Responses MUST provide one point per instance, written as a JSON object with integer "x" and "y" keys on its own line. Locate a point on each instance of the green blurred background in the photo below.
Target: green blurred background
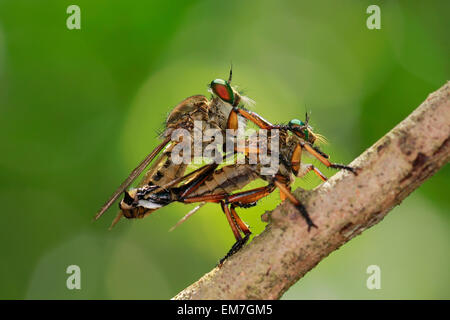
{"x": 80, "y": 108}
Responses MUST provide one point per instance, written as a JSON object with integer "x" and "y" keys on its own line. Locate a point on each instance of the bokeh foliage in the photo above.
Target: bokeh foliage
{"x": 80, "y": 108}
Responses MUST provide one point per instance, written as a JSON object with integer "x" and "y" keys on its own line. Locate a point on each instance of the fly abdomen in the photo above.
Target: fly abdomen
{"x": 163, "y": 171}
{"x": 227, "y": 179}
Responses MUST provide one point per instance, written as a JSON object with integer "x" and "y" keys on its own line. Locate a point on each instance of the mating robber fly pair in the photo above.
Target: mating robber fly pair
{"x": 166, "y": 181}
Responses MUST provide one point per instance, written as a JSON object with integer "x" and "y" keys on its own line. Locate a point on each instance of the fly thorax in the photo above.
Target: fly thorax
{"x": 287, "y": 147}
{"x": 219, "y": 112}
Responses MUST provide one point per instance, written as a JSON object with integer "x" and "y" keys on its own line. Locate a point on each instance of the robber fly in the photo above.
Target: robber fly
{"x": 209, "y": 184}
{"x": 213, "y": 114}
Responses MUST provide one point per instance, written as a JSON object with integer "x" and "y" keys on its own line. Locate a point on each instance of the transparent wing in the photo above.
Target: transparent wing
{"x": 133, "y": 175}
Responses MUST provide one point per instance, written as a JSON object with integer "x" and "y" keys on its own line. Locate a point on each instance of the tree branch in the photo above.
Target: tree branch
{"x": 342, "y": 208}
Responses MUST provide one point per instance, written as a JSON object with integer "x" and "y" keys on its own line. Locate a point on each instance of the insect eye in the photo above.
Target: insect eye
{"x": 296, "y": 122}
{"x": 299, "y": 128}
{"x": 306, "y": 133}
{"x": 223, "y": 90}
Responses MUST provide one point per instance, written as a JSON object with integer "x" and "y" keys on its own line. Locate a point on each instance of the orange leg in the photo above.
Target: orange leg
{"x": 231, "y": 222}
{"x": 249, "y": 115}
{"x": 285, "y": 190}
{"x": 250, "y": 196}
{"x": 236, "y": 224}
{"x": 242, "y": 199}
{"x": 206, "y": 198}
{"x": 241, "y": 224}
{"x": 325, "y": 161}
{"x": 316, "y": 171}
{"x": 283, "y": 196}
{"x": 239, "y": 199}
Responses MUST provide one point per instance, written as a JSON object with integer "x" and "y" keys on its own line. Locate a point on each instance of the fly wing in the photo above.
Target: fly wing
{"x": 133, "y": 175}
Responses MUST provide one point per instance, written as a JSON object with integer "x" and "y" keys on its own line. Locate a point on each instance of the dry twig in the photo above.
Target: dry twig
{"x": 343, "y": 207}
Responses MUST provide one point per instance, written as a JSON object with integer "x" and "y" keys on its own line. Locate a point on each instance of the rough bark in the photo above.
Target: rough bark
{"x": 343, "y": 207}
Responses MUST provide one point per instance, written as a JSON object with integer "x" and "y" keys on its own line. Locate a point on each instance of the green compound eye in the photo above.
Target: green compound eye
{"x": 306, "y": 133}
{"x": 223, "y": 90}
{"x": 296, "y": 122}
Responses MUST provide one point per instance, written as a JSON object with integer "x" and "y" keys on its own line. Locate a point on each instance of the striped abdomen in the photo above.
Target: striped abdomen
{"x": 227, "y": 180}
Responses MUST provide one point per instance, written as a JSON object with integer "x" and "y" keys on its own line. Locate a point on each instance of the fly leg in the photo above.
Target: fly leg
{"x": 244, "y": 199}
{"x": 231, "y": 221}
{"x": 311, "y": 167}
{"x": 235, "y": 248}
{"x": 241, "y": 226}
{"x": 288, "y": 194}
{"x": 324, "y": 159}
{"x": 240, "y": 199}
{"x": 240, "y": 241}
{"x": 302, "y": 169}
{"x": 232, "y": 122}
